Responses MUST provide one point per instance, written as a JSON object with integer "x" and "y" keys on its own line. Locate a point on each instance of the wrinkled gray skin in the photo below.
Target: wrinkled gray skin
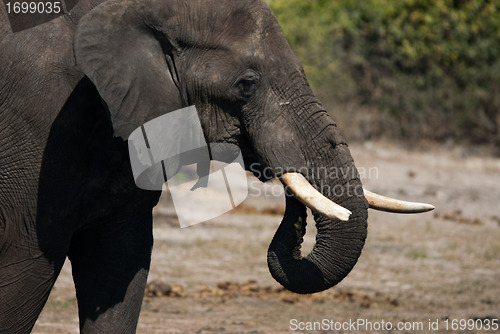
{"x": 73, "y": 89}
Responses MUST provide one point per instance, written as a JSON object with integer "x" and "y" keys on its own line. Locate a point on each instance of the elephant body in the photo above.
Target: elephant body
{"x": 65, "y": 190}
{"x": 71, "y": 91}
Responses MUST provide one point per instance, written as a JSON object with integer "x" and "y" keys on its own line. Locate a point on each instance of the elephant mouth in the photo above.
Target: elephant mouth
{"x": 301, "y": 189}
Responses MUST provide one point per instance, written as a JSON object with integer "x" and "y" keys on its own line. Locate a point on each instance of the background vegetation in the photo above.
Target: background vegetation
{"x": 410, "y": 70}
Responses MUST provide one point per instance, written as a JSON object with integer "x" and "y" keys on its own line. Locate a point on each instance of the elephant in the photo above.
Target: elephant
{"x": 73, "y": 89}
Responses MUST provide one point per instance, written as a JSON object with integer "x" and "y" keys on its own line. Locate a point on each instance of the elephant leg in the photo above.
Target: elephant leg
{"x": 110, "y": 264}
{"x": 26, "y": 279}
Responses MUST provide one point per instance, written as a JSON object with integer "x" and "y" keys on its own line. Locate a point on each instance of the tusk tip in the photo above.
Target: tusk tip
{"x": 343, "y": 214}
{"x": 427, "y": 207}
{"x": 335, "y": 212}
{"x": 347, "y": 216}
{"x": 418, "y": 208}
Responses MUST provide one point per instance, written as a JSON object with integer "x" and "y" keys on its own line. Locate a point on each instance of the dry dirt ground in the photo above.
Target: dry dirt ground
{"x": 439, "y": 268}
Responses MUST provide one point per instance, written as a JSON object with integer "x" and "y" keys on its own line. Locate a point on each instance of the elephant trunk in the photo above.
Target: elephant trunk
{"x": 338, "y": 243}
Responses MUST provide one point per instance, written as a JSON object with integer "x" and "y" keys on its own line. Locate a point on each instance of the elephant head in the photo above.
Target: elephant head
{"x": 231, "y": 60}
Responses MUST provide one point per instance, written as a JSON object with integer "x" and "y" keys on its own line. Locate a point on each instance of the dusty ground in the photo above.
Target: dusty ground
{"x": 213, "y": 277}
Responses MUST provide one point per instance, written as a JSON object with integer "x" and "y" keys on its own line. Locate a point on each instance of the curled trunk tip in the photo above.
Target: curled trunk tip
{"x": 337, "y": 249}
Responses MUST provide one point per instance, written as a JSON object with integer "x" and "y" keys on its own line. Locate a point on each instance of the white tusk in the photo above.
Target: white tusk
{"x": 383, "y": 203}
{"x": 313, "y": 199}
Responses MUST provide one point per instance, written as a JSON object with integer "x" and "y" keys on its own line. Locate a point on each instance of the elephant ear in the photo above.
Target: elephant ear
{"x": 119, "y": 47}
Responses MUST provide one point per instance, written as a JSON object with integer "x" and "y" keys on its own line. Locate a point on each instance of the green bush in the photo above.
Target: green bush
{"x": 407, "y": 69}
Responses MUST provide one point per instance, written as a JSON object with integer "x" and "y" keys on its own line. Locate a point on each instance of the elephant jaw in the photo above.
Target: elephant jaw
{"x": 317, "y": 202}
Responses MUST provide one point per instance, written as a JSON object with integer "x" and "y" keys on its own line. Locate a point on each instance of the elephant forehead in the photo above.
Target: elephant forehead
{"x": 223, "y": 22}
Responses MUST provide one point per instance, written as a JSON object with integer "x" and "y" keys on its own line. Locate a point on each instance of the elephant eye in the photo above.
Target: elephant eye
{"x": 247, "y": 87}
